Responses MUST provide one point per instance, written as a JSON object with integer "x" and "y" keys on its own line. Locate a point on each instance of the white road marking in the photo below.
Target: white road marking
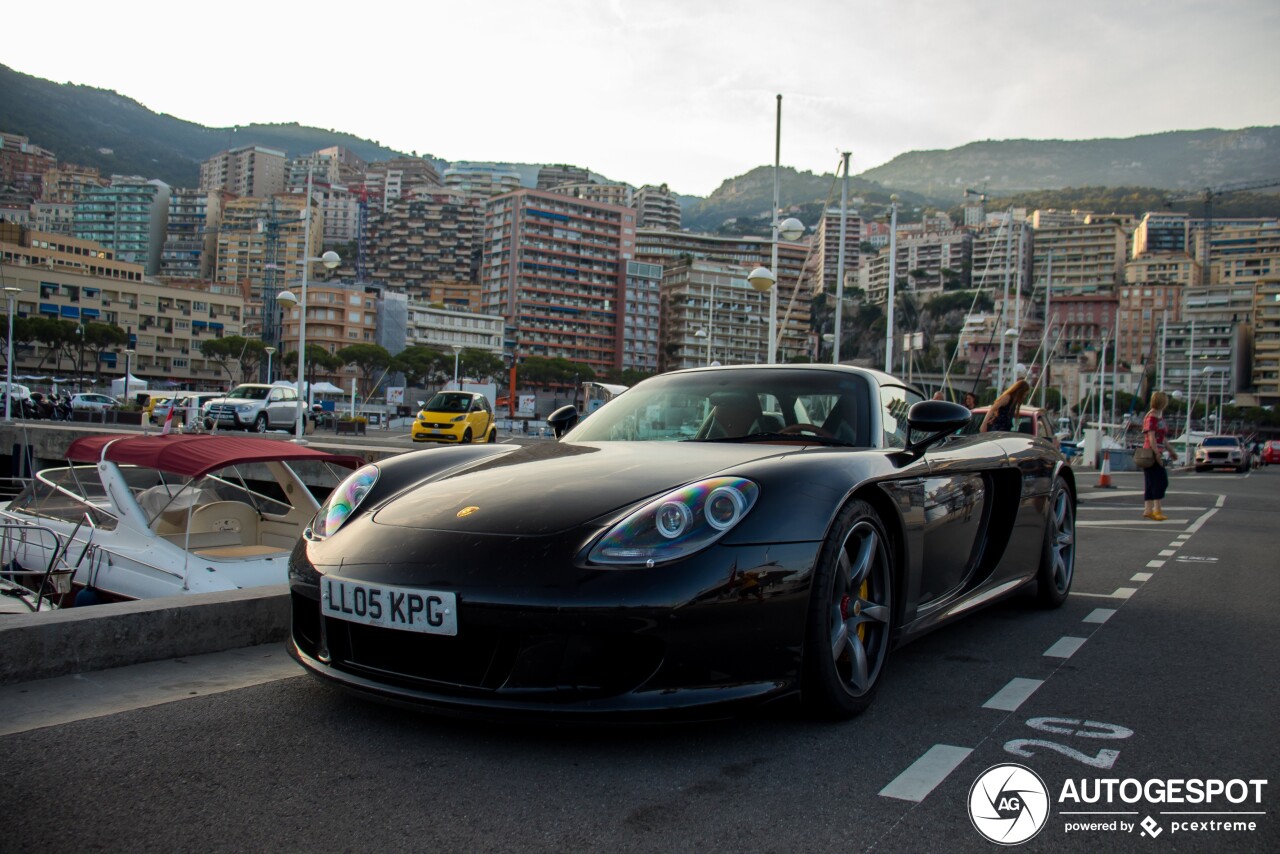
{"x": 1121, "y": 593}
{"x": 1099, "y": 615}
{"x": 1139, "y": 523}
{"x": 1142, "y": 576}
{"x": 1013, "y": 695}
{"x": 1065, "y": 647}
{"x": 1155, "y": 564}
{"x": 1169, "y": 552}
{"x": 1200, "y": 522}
{"x": 1093, "y": 496}
{"x": 924, "y": 775}
{"x": 50, "y": 702}
{"x": 1183, "y": 537}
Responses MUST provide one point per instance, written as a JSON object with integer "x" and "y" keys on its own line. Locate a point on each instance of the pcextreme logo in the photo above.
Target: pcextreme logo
{"x": 1008, "y": 804}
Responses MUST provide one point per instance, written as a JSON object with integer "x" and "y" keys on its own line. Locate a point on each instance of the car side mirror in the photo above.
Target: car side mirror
{"x": 562, "y": 420}
{"x": 937, "y": 419}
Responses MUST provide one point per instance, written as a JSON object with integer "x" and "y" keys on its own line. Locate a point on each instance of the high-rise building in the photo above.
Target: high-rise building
{"x": 130, "y": 216}
{"x": 338, "y": 315}
{"x": 826, "y": 256}
{"x": 1161, "y": 232}
{"x": 608, "y": 193}
{"x": 427, "y": 239}
{"x": 711, "y": 314}
{"x": 63, "y": 184}
{"x": 554, "y": 176}
{"x": 482, "y": 180}
{"x": 23, "y": 165}
{"x": 657, "y": 207}
{"x": 1266, "y": 342}
{"x": 385, "y": 181}
{"x": 641, "y": 318}
{"x": 1088, "y": 255}
{"x": 250, "y": 170}
{"x": 554, "y": 267}
{"x": 1151, "y": 298}
{"x": 194, "y": 219}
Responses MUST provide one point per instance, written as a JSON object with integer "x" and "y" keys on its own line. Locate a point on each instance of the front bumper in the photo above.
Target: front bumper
{"x": 422, "y": 433}
{"x": 693, "y": 640}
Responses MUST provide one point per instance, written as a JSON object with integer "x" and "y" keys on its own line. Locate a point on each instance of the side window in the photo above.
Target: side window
{"x": 895, "y": 401}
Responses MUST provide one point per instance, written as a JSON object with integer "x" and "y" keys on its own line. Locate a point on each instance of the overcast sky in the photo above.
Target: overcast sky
{"x": 673, "y": 91}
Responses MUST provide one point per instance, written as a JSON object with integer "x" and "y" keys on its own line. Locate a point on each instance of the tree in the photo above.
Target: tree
{"x": 100, "y": 337}
{"x": 541, "y": 371}
{"x": 318, "y": 357}
{"x": 222, "y": 352}
{"x": 371, "y": 359}
{"x": 420, "y": 365}
{"x": 481, "y": 364}
{"x": 23, "y": 333}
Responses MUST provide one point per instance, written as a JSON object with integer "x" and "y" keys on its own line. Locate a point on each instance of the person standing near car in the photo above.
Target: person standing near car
{"x": 1001, "y": 414}
{"x": 1155, "y": 478}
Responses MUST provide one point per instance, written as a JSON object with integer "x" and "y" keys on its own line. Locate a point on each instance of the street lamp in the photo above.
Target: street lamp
{"x": 270, "y": 352}
{"x": 10, "y": 294}
{"x": 705, "y": 333}
{"x": 330, "y": 260}
{"x": 128, "y": 360}
{"x": 457, "y": 351}
{"x": 764, "y": 278}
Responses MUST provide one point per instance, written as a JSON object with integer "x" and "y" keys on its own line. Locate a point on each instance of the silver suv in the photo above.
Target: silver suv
{"x": 254, "y": 406}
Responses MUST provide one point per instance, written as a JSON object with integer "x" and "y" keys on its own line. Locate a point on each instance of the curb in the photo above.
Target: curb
{"x": 98, "y": 637}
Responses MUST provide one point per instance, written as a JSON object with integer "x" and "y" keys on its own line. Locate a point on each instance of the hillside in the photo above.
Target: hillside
{"x": 1178, "y": 160}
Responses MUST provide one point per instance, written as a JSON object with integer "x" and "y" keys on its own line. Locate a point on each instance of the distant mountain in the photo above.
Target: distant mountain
{"x": 117, "y": 135}
{"x": 1179, "y": 160}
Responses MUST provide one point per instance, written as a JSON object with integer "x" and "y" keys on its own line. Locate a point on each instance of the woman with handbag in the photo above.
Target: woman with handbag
{"x": 1155, "y": 477}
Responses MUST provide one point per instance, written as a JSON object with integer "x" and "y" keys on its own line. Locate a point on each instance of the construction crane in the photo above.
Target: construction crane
{"x": 1207, "y": 195}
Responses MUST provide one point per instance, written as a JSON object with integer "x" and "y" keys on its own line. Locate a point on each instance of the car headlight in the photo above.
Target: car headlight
{"x": 244, "y": 407}
{"x": 455, "y": 419}
{"x": 678, "y": 524}
{"x": 342, "y": 502}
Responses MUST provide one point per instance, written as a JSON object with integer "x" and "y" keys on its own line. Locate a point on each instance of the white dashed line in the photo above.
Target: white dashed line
{"x": 1183, "y": 537}
{"x": 1013, "y": 695}
{"x": 1099, "y": 615}
{"x": 1141, "y": 576}
{"x": 1155, "y": 564}
{"x": 1168, "y": 553}
{"x": 924, "y": 775}
{"x": 1065, "y": 647}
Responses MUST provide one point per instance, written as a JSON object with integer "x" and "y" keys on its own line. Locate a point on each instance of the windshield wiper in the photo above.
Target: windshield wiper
{"x": 774, "y": 437}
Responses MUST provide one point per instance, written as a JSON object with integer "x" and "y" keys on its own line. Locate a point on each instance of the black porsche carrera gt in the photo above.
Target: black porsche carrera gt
{"x": 710, "y": 538}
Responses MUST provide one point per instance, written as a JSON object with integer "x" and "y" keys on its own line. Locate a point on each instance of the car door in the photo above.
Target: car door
{"x": 284, "y": 410}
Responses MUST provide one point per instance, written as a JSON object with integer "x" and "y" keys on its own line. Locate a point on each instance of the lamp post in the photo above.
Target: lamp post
{"x": 10, "y": 294}
{"x": 705, "y": 333}
{"x": 457, "y": 351}
{"x": 893, "y": 283}
{"x": 330, "y": 261}
{"x": 765, "y": 278}
{"x": 270, "y": 352}
{"x": 128, "y": 362}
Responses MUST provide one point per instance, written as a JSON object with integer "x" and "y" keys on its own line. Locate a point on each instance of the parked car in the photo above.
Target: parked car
{"x": 1270, "y": 452}
{"x": 93, "y": 402}
{"x": 254, "y": 406}
{"x": 183, "y": 400}
{"x": 1222, "y": 452}
{"x": 19, "y": 391}
{"x": 457, "y": 417}
{"x": 711, "y": 539}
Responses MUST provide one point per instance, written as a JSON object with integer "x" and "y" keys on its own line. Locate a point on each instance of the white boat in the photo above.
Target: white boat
{"x": 148, "y": 516}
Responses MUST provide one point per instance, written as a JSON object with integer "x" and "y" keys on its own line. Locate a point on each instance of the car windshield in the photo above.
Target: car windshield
{"x": 740, "y": 404}
{"x": 246, "y": 392}
{"x": 448, "y": 401}
{"x": 1221, "y": 442}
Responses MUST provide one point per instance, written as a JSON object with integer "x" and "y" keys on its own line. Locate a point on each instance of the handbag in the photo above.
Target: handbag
{"x": 1145, "y": 458}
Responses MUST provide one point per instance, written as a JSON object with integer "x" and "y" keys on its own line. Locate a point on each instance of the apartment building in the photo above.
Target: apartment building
{"x": 79, "y": 281}
{"x": 481, "y": 180}
{"x": 561, "y": 173}
{"x": 1161, "y": 232}
{"x": 611, "y": 193}
{"x": 341, "y": 210}
{"x": 657, "y": 207}
{"x": 63, "y": 184}
{"x": 554, "y": 268}
{"x": 1266, "y": 342}
{"x": 260, "y": 248}
{"x": 826, "y": 255}
{"x": 1151, "y": 297}
{"x": 23, "y": 165}
{"x": 928, "y": 263}
{"x": 641, "y": 317}
{"x": 795, "y": 288}
{"x": 1245, "y": 254}
{"x": 428, "y": 239}
{"x": 386, "y": 181}
{"x": 443, "y": 329}
{"x": 1001, "y": 257}
{"x": 1205, "y": 360}
{"x": 711, "y": 314}
{"x": 53, "y": 217}
{"x": 335, "y": 165}
{"x": 338, "y": 315}
{"x": 193, "y": 222}
{"x": 250, "y": 170}
{"x": 130, "y": 216}
{"x": 1088, "y": 255}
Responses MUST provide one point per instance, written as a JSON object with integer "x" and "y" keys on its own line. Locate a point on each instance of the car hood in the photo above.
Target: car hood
{"x": 433, "y": 415}
{"x": 552, "y": 487}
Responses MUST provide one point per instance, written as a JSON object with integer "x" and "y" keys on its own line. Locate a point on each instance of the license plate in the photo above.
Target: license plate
{"x": 409, "y": 609}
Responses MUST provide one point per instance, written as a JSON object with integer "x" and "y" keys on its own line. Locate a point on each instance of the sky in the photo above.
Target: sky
{"x": 681, "y": 92}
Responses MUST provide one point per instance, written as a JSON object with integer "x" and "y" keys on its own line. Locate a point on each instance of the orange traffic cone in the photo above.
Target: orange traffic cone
{"x": 1104, "y": 475}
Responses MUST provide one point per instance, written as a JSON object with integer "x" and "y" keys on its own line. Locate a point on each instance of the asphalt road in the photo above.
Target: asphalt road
{"x": 1162, "y": 665}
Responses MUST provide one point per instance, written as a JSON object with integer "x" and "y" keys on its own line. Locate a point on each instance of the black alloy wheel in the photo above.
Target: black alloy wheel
{"x": 850, "y": 615}
{"x": 466, "y": 436}
{"x": 1058, "y": 557}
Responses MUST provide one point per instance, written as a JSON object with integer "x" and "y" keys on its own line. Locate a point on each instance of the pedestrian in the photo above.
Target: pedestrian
{"x": 1155, "y": 478}
{"x": 970, "y": 401}
{"x": 938, "y": 395}
{"x": 1001, "y": 414}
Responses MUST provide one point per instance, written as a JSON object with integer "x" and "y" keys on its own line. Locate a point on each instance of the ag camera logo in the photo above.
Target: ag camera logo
{"x": 1008, "y": 804}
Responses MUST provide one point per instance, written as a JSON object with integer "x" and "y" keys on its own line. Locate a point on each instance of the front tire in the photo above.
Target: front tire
{"x": 493, "y": 435}
{"x": 260, "y": 423}
{"x": 850, "y": 618}
{"x": 466, "y": 436}
{"x": 1058, "y": 555}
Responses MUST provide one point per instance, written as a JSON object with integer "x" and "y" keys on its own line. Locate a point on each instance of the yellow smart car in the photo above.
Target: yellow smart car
{"x": 458, "y": 417}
